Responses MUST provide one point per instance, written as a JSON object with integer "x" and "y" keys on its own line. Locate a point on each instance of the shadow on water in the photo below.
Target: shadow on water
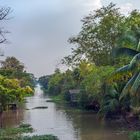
{"x": 63, "y": 121}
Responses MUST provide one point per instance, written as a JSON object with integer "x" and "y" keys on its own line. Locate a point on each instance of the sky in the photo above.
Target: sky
{"x": 39, "y": 29}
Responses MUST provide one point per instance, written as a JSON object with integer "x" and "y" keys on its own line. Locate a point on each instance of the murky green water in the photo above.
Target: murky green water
{"x": 64, "y": 122}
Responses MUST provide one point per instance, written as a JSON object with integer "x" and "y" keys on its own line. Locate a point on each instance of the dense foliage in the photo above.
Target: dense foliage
{"x": 11, "y": 91}
{"x": 101, "y": 32}
{"x": 135, "y": 135}
{"x": 93, "y": 64}
{"x": 15, "y": 82}
{"x": 44, "y": 81}
{"x": 13, "y": 68}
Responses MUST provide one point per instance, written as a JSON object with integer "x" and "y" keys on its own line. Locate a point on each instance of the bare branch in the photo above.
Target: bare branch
{"x": 4, "y": 12}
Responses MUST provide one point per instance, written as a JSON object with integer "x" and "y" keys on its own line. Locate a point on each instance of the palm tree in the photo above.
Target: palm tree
{"x": 132, "y": 86}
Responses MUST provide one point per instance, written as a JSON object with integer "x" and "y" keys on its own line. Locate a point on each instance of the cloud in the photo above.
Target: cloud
{"x": 94, "y": 4}
{"x": 126, "y": 8}
{"x": 41, "y": 30}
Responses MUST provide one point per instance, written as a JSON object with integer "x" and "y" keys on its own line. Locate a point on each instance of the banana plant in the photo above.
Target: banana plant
{"x": 133, "y": 85}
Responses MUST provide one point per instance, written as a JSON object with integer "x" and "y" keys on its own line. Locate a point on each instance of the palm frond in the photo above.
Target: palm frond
{"x": 136, "y": 85}
{"x": 127, "y": 88}
{"x": 138, "y": 47}
{"x": 124, "y": 51}
{"x": 123, "y": 69}
{"x": 135, "y": 62}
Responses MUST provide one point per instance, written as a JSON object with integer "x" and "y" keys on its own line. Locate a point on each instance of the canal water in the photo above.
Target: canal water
{"x": 64, "y": 122}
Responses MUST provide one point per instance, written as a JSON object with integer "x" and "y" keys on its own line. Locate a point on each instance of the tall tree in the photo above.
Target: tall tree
{"x": 11, "y": 63}
{"x": 99, "y": 34}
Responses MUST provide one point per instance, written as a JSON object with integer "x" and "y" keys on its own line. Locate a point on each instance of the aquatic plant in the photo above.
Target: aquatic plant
{"x": 16, "y": 134}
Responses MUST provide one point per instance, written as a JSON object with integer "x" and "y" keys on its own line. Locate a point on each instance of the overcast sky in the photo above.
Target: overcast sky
{"x": 40, "y": 29}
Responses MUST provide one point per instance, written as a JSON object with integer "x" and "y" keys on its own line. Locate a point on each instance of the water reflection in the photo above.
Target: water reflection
{"x": 11, "y": 118}
{"x": 65, "y": 122}
{"x": 90, "y": 128}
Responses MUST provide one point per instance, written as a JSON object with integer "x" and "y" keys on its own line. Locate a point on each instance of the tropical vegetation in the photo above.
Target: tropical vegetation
{"x": 103, "y": 72}
{"x": 103, "y": 65}
{"x": 15, "y": 83}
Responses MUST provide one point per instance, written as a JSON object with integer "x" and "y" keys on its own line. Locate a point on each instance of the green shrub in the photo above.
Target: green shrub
{"x": 135, "y": 135}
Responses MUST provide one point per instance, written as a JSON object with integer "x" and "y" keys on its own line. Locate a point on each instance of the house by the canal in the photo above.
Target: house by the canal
{"x": 74, "y": 95}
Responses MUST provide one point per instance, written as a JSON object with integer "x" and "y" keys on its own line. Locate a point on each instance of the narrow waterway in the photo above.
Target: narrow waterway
{"x": 64, "y": 122}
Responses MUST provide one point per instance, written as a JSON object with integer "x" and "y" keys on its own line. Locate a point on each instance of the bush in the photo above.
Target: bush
{"x": 135, "y": 135}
